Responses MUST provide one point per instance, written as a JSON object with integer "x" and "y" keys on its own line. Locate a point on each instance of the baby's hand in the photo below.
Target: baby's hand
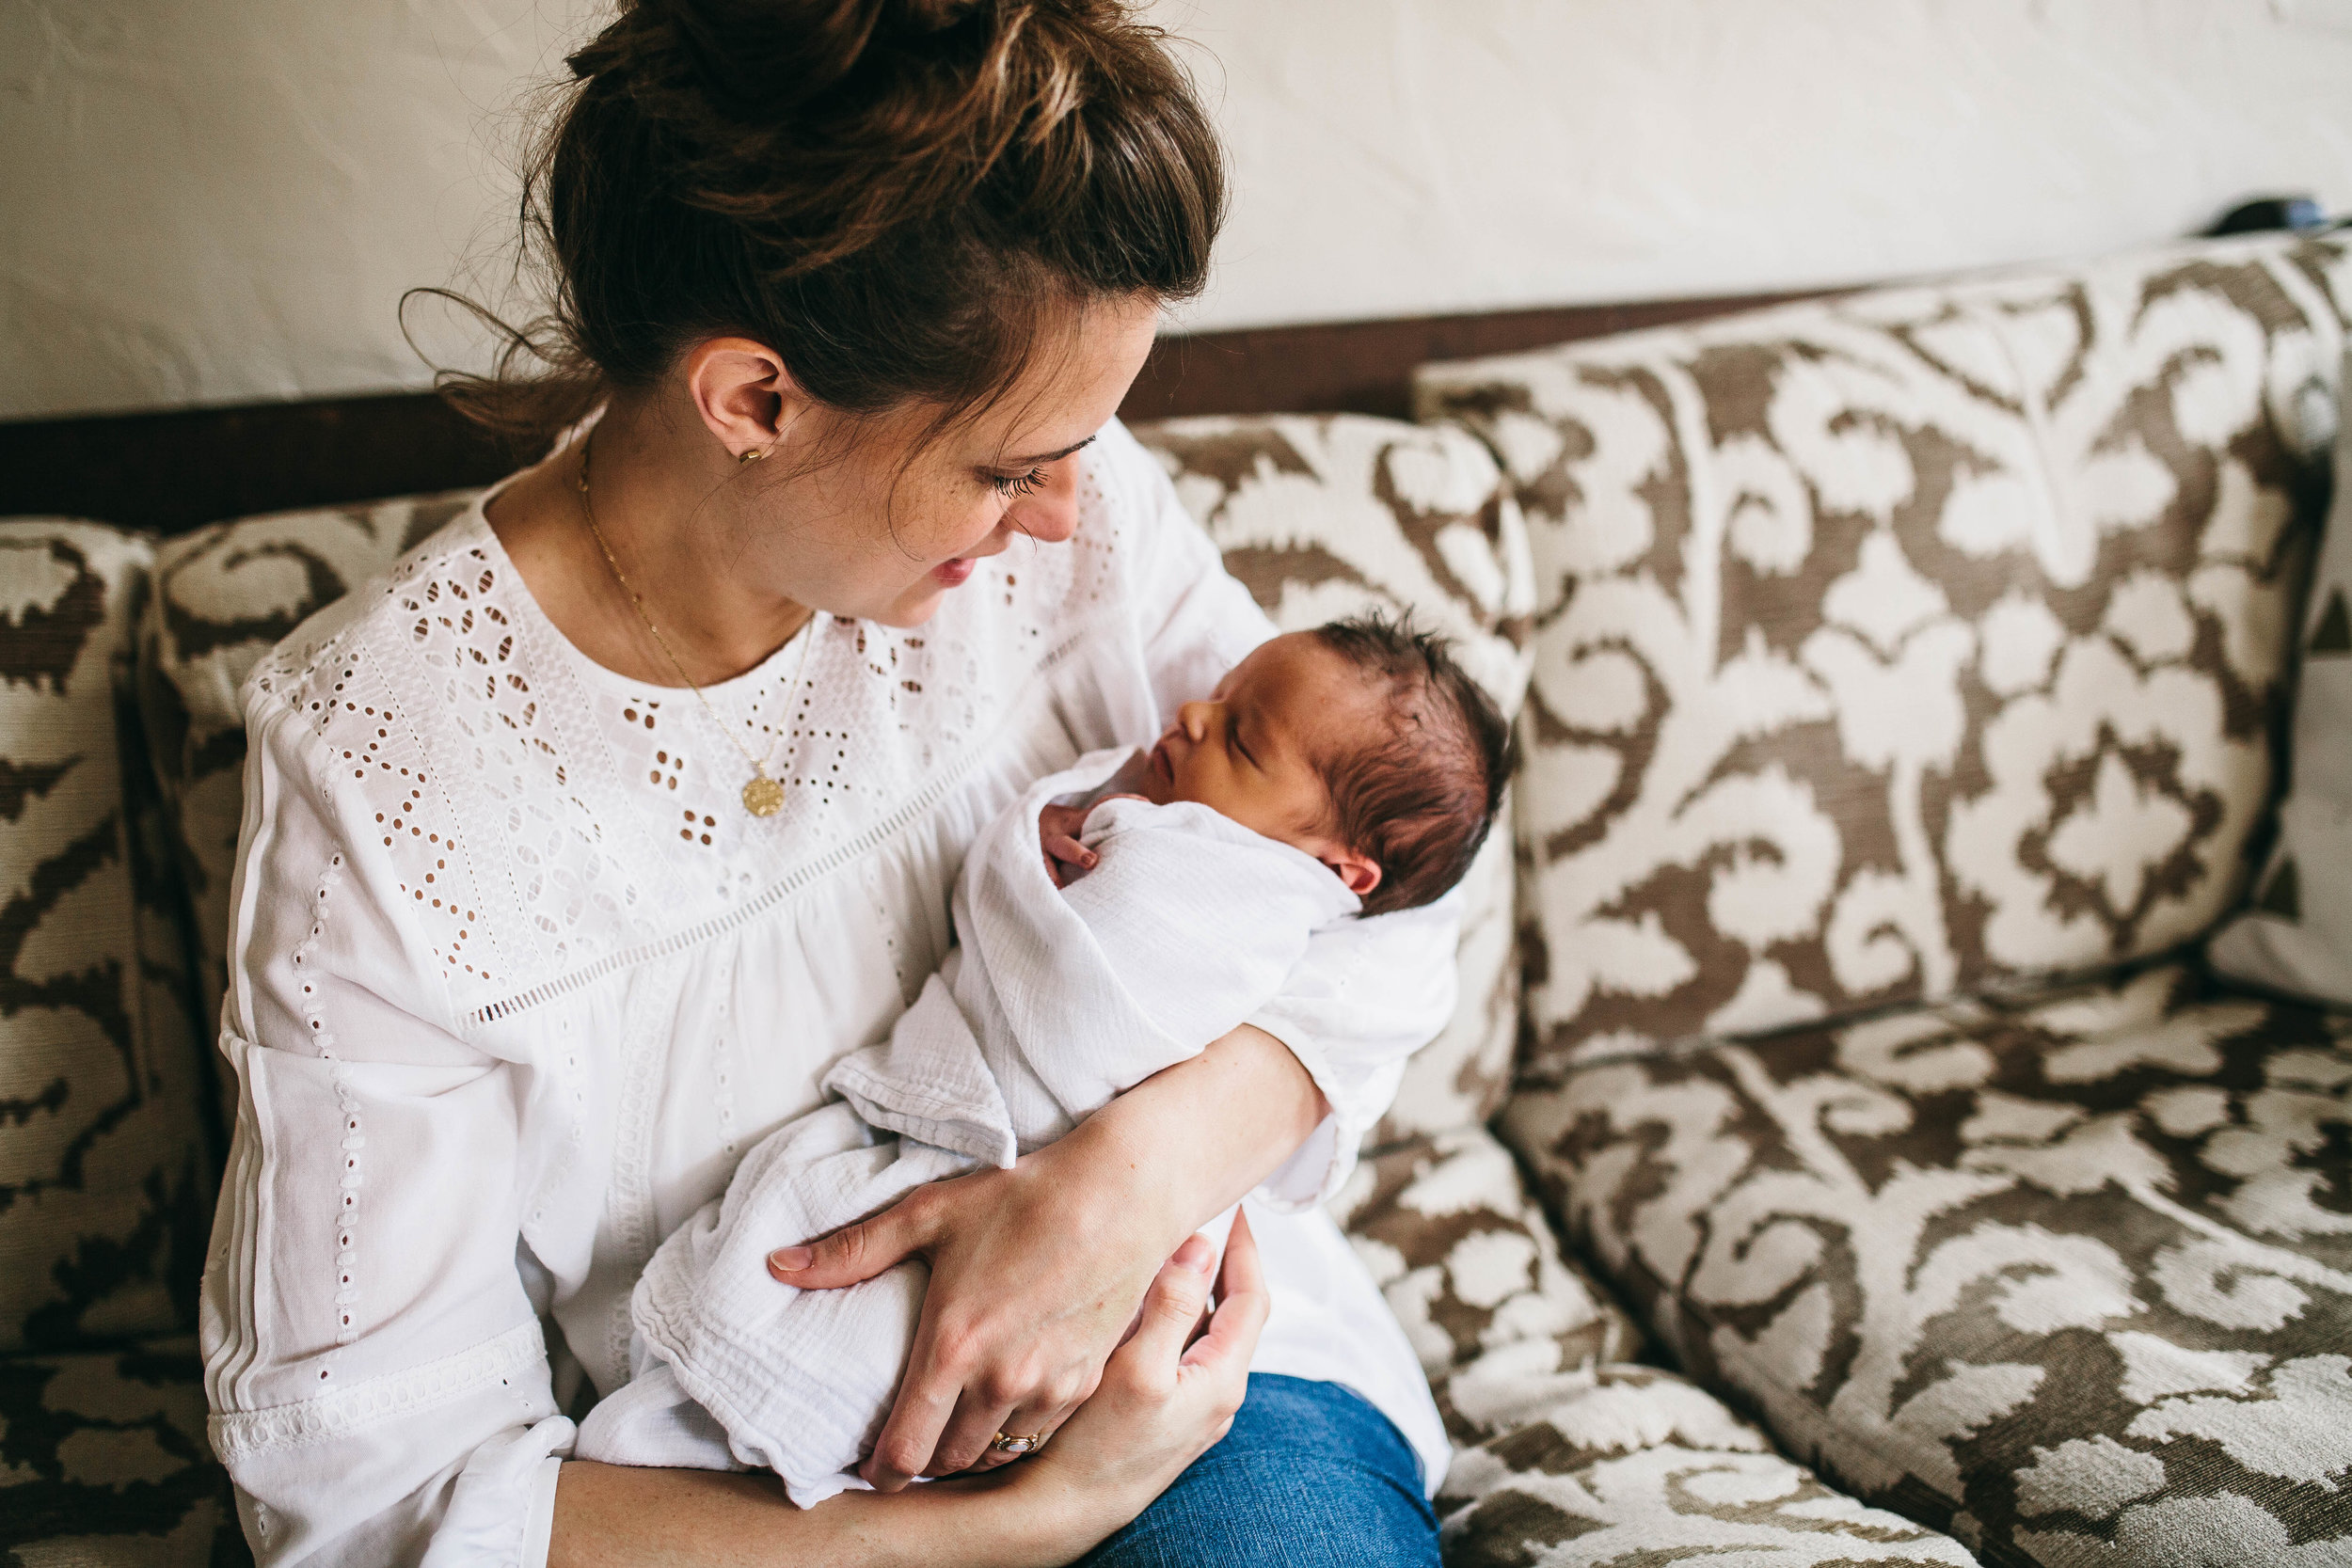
{"x": 1058, "y": 831}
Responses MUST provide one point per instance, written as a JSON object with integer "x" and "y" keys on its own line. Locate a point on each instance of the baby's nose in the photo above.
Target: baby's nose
{"x": 1195, "y": 717}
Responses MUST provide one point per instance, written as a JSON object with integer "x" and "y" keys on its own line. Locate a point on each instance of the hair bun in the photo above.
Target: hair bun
{"x": 882, "y": 108}
{"x": 761, "y": 56}
{"x": 756, "y": 60}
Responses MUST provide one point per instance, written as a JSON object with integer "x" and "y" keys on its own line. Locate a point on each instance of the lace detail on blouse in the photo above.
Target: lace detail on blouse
{"x": 346, "y": 1292}
{"x": 537, "y": 811}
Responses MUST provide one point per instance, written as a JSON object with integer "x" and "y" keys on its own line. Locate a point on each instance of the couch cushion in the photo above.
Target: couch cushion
{"x": 1326, "y": 515}
{"x": 1320, "y": 517}
{"x": 1473, "y": 1269}
{"x": 1632, "y": 1465}
{"x": 2297, "y": 936}
{"x": 2070, "y": 1276}
{"x": 1897, "y": 645}
{"x": 1569, "y": 1455}
{"x": 103, "y": 1459}
{"x": 105, "y": 1192}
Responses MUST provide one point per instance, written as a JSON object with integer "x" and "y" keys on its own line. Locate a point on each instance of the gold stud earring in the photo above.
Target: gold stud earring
{"x": 751, "y": 455}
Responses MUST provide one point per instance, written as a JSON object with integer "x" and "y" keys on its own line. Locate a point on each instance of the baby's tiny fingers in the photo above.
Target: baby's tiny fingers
{"x": 1061, "y": 847}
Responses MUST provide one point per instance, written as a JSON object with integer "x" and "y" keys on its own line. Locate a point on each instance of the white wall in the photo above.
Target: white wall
{"x": 221, "y": 200}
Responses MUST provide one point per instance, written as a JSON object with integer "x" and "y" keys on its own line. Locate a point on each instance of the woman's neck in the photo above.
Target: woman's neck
{"x": 668, "y": 536}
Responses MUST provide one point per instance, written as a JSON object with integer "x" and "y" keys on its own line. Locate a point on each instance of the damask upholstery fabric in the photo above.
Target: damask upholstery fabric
{"x": 1501, "y": 1319}
{"x": 102, "y": 1461}
{"x": 2297, "y": 936}
{"x": 105, "y": 1169}
{"x": 1567, "y": 1452}
{"x": 1633, "y": 1466}
{"x": 1318, "y": 517}
{"x": 1894, "y": 645}
{"x": 2069, "y": 1276}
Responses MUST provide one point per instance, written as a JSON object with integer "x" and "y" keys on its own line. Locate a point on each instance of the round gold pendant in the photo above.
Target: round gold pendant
{"x": 763, "y": 796}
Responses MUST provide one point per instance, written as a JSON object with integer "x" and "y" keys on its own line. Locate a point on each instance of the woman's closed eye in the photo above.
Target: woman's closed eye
{"x": 1013, "y": 486}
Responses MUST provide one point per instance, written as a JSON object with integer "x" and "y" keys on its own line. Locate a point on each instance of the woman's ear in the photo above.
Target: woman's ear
{"x": 1360, "y": 873}
{"x": 745, "y": 395}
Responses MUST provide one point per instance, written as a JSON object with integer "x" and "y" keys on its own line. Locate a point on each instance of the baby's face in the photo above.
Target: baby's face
{"x": 1249, "y": 751}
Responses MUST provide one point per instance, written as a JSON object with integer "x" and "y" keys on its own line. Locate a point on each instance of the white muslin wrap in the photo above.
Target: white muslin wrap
{"x": 1054, "y": 1001}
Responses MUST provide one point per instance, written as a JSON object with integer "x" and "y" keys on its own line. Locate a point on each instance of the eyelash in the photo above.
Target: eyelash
{"x": 1019, "y": 485}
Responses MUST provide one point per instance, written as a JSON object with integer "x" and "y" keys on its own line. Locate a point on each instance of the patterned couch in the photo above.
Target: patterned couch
{"x": 1842, "y": 1154}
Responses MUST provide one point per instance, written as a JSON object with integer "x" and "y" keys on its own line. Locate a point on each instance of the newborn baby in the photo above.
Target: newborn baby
{"x": 1116, "y": 920}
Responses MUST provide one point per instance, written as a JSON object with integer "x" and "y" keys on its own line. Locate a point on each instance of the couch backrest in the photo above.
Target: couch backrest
{"x": 1320, "y": 516}
{"x": 1894, "y": 645}
{"x": 105, "y": 1176}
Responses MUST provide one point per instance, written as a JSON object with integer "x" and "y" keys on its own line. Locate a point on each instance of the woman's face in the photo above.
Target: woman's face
{"x": 895, "y": 522}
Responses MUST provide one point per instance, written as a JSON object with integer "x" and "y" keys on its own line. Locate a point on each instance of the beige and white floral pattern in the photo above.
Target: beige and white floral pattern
{"x": 2068, "y": 1276}
{"x": 105, "y": 1172}
{"x": 1634, "y": 1467}
{"x": 1890, "y": 646}
{"x": 1500, "y": 1320}
{"x": 1570, "y": 1454}
{"x": 104, "y": 1462}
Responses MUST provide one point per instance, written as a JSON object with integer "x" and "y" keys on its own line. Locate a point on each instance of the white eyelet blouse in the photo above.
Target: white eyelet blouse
{"x": 516, "y": 980}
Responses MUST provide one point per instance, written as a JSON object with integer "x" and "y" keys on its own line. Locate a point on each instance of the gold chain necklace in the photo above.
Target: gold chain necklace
{"x": 762, "y": 795}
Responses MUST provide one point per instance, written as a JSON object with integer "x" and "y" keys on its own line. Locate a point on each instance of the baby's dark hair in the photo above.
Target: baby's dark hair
{"x": 1419, "y": 802}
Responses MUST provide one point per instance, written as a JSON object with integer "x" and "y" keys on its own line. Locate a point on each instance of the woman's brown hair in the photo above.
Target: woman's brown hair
{"x": 899, "y": 196}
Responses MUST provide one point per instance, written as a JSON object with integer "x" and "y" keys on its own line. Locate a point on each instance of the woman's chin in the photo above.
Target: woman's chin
{"x": 915, "y": 607}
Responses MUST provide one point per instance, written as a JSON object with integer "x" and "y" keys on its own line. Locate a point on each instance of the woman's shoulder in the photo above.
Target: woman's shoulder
{"x": 455, "y": 753}
{"x": 335, "y": 661}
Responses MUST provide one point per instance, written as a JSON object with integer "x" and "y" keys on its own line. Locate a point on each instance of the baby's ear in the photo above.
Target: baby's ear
{"x": 1361, "y": 873}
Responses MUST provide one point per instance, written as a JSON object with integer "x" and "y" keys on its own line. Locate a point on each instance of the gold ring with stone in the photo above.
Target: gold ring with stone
{"x": 1006, "y": 1443}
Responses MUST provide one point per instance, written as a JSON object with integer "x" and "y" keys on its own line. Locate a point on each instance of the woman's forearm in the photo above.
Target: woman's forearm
{"x": 616, "y": 1516}
{"x": 1197, "y": 1138}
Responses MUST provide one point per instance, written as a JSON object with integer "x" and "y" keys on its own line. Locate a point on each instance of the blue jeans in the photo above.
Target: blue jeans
{"x": 1310, "y": 1476}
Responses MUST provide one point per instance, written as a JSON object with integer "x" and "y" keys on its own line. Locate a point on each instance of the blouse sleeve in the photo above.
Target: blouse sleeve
{"x": 1370, "y": 992}
{"x": 380, "y": 1388}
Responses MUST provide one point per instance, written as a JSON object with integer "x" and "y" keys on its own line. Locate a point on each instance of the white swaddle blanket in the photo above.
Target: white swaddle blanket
{"x": 1053, "y": 1002}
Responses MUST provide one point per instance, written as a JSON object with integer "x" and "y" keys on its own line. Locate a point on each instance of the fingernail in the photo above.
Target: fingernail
{"x": 791, "y": 1260}
{"x": 1089, "y": 858}
{"x": 1194, "y": 1255}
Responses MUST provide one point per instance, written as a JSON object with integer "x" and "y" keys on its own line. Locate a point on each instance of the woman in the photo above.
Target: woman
{"x": 577, "y": 849}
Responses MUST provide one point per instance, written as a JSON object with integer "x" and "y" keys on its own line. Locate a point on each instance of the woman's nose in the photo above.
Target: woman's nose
{"x": 1049, "y": 514}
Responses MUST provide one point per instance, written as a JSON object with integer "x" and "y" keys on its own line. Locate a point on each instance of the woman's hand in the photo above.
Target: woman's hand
{"x": 1167, "y": 1395}
{"x": 1037, "y": 1271}
{"x": 1035, "y": 1275}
